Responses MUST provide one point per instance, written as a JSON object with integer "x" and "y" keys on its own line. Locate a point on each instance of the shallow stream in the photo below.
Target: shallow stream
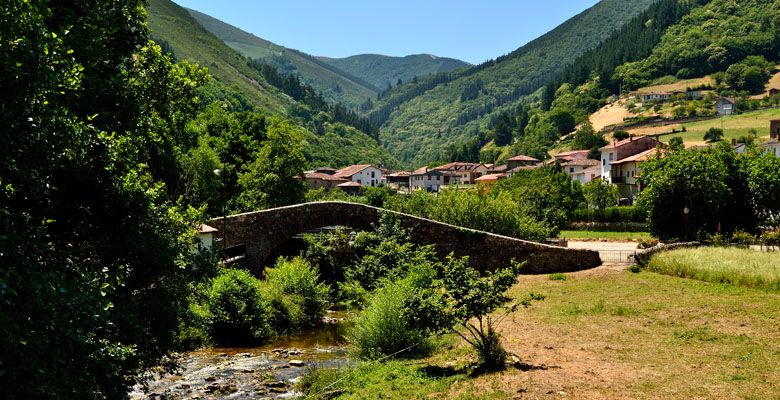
{"x": 268, "y": 371}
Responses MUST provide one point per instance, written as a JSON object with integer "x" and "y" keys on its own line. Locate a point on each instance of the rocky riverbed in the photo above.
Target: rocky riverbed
{"x": 264, "y": 372}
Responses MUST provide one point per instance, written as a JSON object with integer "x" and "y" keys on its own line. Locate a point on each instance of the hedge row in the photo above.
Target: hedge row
{"x": 610, "y": 214}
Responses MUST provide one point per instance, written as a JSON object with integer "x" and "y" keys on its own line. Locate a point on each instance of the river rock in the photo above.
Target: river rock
{"x": 297, "y": 363}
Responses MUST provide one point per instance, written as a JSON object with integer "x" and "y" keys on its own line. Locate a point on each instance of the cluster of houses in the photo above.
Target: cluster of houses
{"x": 724, "y": 105}
{"x": 620, "y": 164}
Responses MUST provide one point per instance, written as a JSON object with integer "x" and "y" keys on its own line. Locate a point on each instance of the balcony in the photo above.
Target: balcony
{"x": 617, "y": 179}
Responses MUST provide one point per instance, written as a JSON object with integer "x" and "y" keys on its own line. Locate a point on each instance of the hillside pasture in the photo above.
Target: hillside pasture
{"x": 734, "y": 126}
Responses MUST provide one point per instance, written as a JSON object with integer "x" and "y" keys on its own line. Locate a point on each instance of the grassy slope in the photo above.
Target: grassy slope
{"x": 734, "y": 126}
{"x": 379, "y": 70}
{"x": 419, "y": 128}
{"x": 606, "y": 334}
{"x": 338, "y": 146}
{"x": 332, "y": 83}
{"x": 742, "y": 267}
{"x": 191, "y": 42}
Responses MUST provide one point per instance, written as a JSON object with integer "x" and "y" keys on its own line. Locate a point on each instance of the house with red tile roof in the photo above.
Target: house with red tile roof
{"x": 620, "y": 162}
{"x": 461, "y": 173}
{"x": 364, "y": 174}
{"x": 428, "y": 179}
{"x": 521, "y": 161}
{"x": 317, "y": 180}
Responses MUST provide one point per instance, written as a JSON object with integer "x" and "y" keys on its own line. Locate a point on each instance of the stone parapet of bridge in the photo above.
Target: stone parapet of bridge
{"x": 258, "y": 234}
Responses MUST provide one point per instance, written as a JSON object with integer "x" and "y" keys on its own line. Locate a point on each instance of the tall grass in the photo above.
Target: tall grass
{"x": 741, "y": 267}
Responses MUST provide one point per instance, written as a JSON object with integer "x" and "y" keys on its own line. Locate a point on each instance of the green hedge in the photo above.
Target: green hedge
{"x": 610, "y": 214}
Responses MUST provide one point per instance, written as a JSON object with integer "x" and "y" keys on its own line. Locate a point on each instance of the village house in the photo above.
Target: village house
{"x": 626, "y": 172}
{"x": 656, "y": 96}
{"x": 485, "y": 181}
{"x": 773, "y": 145}
{"x": 575, "y": 168}
{"x": 205, "y": 237}
{"x": 364, "y": 174}
{"x": 521, "y": 161}
{"x": 461, "y": 173}
{"x": 726, "y": 105}
{"x": 350, "y": 187}
{"x": 316, "y": 180}
{"x": 617, "y": 151}
{"x": 398, "y": 180}
{"x": 571, "y": 155}
{"x": 424, "y": 178}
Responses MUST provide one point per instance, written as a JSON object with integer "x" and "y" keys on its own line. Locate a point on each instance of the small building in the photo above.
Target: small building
{"x": 461, "y": 173}
{"x": 427, "y": 179}
{"x": 571, "y": 155}
{"x": 317, "y": 180}
{"x": 655, "y": 96}
{"x": 349, "y": 187}
{"x": 726, "y": 105}
{"x": 575, "y": 167}
{"x": 774, "y": 129}
{"x": 626, "y": 172}
{"x": 364, "y": 174}
{"x": 205, "y": 237}
{"x": 587, "y": 175}
{"x": 617, "y": 151}
{"x": 498, "y": 169}
{"x": 772, "y": 146}
{"x": 510, "y": 173}
{"x": 521, "y": 161}
{"x": 398, "y": 180}
{"x": 485, "y": 181}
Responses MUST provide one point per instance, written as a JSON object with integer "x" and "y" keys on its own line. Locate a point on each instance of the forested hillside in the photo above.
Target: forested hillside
{"x": 332, "y": 83}
{"x": 382, "y": 71}
{"x": 419, "y": 119}
{"x": 334, "y": 135}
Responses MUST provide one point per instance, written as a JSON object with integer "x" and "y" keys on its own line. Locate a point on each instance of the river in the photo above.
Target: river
{"x": 268, "y": 371}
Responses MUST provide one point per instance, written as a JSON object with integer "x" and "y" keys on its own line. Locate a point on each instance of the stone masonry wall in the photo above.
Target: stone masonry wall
{"x": 263, "y": 231}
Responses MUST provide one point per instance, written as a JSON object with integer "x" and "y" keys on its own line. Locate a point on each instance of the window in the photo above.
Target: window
{"x": 604, "y": 162}
{"x": 359, "y": 181}
{"x": 611, "y": 156}
{"x": 571, "y": 169}
{"x": 372, "y": 174}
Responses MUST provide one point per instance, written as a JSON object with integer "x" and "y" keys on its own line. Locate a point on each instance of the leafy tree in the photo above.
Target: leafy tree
{"x": 95, "y": 258}
{"x": 600, "y": 194}
{"x": 270, "y": 181}
{"x": 562, "y": 120}
{"x": 621, "y": 135}
{"x": 750, "y": 74}
{"x": 237, "y": 313}
{"x": 676, "y": 143}
{"x": 297, "y": 299}
{"x": 587, "y": 138}
{"x": 713, "y": 135}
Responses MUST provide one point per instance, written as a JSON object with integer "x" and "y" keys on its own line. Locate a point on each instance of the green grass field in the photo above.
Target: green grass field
{"x": 610, "y": 236}
{"x": 734, "y": 126}
{"x": 742, "y": 267}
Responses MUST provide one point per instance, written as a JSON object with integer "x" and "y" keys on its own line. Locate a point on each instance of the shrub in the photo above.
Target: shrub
{"x": 381, "y": 329}
{"x": 718, "y": 240}
{"x": 647, "y": 243}
{"x": 237, "y": 313}
{"x": 611, "y": 214}
{"x": 557, "y": 277}
{"x": 295, "y": 294}
{"x": 742, "y": 239}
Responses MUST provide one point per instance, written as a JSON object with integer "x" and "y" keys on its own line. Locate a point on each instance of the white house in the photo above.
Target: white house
{"x": 364, "y": 174}
{"x": 426, "y": 179}
{"x": 205, "y": 237}
{"x": 726, "y": 105}
{"x": 617, "y": 151}
{"x": 586, "y": 175}
{"x": 575, "y": 166}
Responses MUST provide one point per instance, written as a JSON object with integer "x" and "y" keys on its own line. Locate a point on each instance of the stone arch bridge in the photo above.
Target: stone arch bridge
{"x": 252, "y": 237}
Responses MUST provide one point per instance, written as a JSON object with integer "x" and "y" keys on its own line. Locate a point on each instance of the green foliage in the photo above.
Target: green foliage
{"x": 94, "y": 257}
{"x": 237, "y": 313}
{"x": 750, "y": 74}
{"x": 719, "y": 187}
{"x": 709, "y": 39}
{"x": 382, "y": 330}
{"x": 377, "y": 196}
{"x": 296, "y": 297}
{"x": 557, "y": 277}
{"x": 270, "y": 180}
{"x": 610, "y": 214}
{"x": 587, "y": 138}
{"x": 600, "y": 194}
{"x": 713, "y": 135}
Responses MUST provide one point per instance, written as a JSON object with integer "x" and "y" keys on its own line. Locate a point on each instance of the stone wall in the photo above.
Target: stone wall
{"x": 643, "y": 257}
{"x": 263, "y": 231}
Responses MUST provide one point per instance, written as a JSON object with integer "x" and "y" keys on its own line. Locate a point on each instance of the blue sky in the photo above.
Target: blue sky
{"x": 472, "y": 31}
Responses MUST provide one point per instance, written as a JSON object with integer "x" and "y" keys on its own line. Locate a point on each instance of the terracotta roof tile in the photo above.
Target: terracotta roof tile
{"x": 351, "y": 170}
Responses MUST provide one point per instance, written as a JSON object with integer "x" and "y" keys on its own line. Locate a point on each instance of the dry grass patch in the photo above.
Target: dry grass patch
{"x": 608, "y": 334}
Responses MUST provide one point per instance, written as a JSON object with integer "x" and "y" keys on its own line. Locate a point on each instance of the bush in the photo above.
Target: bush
{"x": 381, "y": 329}
{"x": 296, "y": 297}
{"x": 557, "y": 277}
{"x": 742, "y": 239}
{"x": 236, "y": 311}
{"x": 611, "y": 214}
{"x": 647, "y": 243}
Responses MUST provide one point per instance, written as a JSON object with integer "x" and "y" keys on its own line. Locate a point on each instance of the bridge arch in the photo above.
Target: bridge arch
{"x": 260, "y": 232}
